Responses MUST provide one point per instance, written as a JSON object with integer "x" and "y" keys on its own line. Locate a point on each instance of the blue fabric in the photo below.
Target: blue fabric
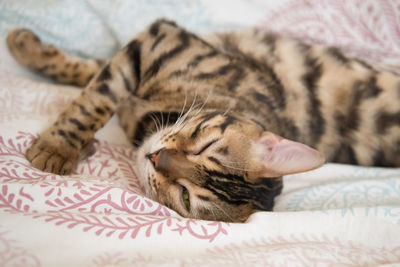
{"x": 97, "y": 28}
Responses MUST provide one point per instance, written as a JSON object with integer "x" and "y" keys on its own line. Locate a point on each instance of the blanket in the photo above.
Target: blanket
{"x": 337, "y": 215}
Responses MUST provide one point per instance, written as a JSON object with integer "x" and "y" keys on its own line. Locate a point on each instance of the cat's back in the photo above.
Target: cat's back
{"x": 343, "y": 106}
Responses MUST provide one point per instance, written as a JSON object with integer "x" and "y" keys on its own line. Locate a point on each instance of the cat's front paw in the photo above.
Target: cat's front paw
{"x": 52, "y": 156}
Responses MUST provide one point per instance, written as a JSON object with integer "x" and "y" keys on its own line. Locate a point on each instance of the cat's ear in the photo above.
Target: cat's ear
{"x": 279, "y": 156}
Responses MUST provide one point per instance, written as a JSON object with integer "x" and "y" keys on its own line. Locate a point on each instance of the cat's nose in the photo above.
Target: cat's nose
{"x": 171, "y": 163}
{"x": 155, "y": 158}
{"x": 165, "y": 160}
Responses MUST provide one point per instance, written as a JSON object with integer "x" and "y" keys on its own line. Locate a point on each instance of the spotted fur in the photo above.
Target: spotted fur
{"x": 200, "y": 109}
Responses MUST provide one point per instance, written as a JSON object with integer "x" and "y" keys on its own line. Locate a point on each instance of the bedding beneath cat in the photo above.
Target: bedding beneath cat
{"x": 227, "y": 107}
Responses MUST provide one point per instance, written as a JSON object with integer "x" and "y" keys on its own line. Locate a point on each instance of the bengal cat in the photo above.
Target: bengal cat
{"x": 237, "y": 111}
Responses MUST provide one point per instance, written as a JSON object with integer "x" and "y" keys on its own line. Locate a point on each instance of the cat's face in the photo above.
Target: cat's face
{"x": 219, "y": 167}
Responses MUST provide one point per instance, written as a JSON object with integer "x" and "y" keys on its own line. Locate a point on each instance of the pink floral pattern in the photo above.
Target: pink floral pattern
{"x": 102, "y": 206}
{"x": 294, "y": 250}
{"x": 305, "y": 250}
{"x": 12, "y": 255}
{"x": 366, "y": 29}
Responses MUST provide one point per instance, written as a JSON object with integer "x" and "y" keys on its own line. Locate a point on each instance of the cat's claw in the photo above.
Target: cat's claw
{"x": 89, "y": 150}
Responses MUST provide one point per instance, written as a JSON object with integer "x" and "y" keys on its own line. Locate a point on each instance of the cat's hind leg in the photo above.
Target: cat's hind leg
{"x": 50, "y": 61}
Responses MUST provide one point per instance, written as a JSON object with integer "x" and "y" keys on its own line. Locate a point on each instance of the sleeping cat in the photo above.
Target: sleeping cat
{"x": 219, "y": 120}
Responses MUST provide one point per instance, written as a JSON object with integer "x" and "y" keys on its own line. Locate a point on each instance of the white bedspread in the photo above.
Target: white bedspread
{"x": 338, "y": 215}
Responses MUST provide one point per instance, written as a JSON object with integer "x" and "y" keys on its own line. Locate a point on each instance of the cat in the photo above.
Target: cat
{"x": 218, "y": 120}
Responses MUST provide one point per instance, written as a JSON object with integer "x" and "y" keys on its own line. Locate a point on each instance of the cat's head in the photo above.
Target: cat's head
{"x": 219, "y": 167}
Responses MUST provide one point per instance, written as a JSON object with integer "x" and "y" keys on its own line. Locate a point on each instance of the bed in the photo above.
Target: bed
{"x": 338, "y": 215}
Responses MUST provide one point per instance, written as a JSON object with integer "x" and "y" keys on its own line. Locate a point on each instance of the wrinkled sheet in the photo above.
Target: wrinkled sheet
{"x": 334, "y": 216}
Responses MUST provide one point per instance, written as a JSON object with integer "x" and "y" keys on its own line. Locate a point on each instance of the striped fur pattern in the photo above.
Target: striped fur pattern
{"x": 216, "y": 117}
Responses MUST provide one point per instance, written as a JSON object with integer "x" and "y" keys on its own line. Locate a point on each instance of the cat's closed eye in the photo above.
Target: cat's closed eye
{"x": 205, "y": 147}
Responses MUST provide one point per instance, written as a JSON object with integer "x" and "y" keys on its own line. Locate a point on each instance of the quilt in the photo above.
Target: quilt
{"x": 337, "y": 215}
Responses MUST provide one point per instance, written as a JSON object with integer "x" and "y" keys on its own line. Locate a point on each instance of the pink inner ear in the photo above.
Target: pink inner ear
{"x": 281, "y": 156}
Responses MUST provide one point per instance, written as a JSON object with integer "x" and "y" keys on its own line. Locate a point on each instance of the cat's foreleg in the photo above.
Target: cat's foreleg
{"x": 59, "y": 147}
